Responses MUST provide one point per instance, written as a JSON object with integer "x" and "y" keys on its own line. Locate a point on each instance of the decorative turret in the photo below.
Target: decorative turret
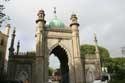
{"x": 74, "y": 20}
{"x": 18, "y": 47}
{"x": 41, "y": 16}
{"x": 40, "y": 22}
{"x": 74, "y": 25}
{"x": 40, "y": 26}
{"x": 7, "y": 29}
{"x": 40, "y": 39}
{"x": 80, "y": 75}
{"x": 11, "y": 49}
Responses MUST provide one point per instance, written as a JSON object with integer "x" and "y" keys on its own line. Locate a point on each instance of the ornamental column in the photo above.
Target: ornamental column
{"x": 40, "y": 25}
{"x": 39, "y": 61}
{"x": 77, "y": 60}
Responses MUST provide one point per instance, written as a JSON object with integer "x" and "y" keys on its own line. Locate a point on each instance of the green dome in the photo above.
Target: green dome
{"x": 56, "y": 23}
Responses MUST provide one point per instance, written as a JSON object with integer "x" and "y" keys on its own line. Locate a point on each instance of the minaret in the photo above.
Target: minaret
{"x": 11, "y": 49}
{"x": 11, "y": 65}
{"x": 40, "y": 58}
{"x": 40, "y": 22}
{"x": 78, "y": 66}
{"x": 18, "y": 47}
{"x": 97, "y": 56}
{"x": 96, "y": 47}
{"x": 7, "y": 29}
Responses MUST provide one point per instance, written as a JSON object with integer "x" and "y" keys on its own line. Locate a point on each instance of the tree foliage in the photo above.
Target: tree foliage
{"x": 31, "y": 53}
{"x": 90, "y": 49}
{"x": 50, "y": 70}
{"x": 117, "y": 70}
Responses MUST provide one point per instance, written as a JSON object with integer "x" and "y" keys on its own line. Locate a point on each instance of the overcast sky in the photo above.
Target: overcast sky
{"x": 106, "y": 18}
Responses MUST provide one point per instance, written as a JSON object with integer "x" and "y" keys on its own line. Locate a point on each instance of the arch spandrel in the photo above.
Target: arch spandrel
{"x": 62, "y": 46}
{"x": 65, "y": 44}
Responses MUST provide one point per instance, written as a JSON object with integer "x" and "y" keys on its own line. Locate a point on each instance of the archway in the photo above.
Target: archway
{"x": 61, "y": 54}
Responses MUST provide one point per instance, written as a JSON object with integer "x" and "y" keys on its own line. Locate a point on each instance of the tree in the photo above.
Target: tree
{"x": 50, "y": 70}
{"x": 117, "y": 70}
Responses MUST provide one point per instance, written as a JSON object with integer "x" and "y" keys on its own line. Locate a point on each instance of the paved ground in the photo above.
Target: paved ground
{"x": 99, "y": 81}
{"x": 55, "y": 82}
{"x": 96, "y": 81}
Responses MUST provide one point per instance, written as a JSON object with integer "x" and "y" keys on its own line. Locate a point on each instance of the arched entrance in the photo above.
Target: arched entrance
{"x": 60, "y": 52}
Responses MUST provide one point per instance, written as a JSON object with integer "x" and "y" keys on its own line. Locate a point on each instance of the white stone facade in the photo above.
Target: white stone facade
{"x": 47, "y": 39}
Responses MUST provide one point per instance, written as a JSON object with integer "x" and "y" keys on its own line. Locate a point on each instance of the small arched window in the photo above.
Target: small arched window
{"x": 2, "y": 42}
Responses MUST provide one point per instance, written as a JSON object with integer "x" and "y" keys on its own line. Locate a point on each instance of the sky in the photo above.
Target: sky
{"x": 106, "y": 18}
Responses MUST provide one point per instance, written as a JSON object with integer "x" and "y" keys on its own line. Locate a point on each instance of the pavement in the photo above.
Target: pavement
{"x": 55, "y": 82}
{"x": 96, "y": 81}
{"x": 99, "y": 81}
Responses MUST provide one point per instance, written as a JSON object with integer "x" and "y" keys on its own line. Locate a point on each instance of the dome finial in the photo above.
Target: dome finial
{"x": 55, "y": 22}
{"x": 54, "y": 11}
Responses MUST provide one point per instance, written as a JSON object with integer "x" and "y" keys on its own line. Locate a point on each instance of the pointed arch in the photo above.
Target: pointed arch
{"x": 62, "y": 46}
{"x": 62, "y": 54}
